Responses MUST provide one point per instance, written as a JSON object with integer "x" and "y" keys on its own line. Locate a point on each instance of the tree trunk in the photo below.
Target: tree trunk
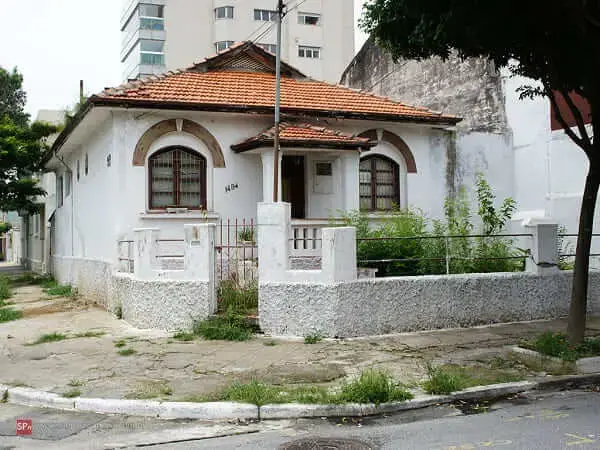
{"x": 578, "y": 309}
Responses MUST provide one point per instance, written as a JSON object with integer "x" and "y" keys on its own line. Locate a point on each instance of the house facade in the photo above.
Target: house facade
{"x": 196, "y": 146}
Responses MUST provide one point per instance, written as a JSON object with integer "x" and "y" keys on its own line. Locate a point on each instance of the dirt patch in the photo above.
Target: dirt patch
{"x": 57, "y": 307}
{"x": 296, "y": 374}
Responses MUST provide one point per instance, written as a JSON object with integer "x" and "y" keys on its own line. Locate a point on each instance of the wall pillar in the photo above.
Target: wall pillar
{"x": 350, "y": 162}
{"x": 274, "y": 231}
{"x": 339, "y": 254}
{"x": 544, "y": 249}
{"x": 145, "y": 252}
{"x": 200, "y": 263}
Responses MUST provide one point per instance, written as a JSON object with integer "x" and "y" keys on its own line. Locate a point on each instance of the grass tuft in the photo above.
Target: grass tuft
{"x": 374, "y": 386}
{"x": 443, "y": 381}
{"x": 255, "y": 393}
{"x": 50, "y": 337}
{"x": 150, "y": 389}
{"x": 121, "y": 343}
{"x": 5, "y": 290}
{"x": 230, "y": 327}
{"x": 4, "y": 396}
{"x": 234, "y": 297}
{"x": 313, "y": 338}
{"x": 60, "y": 290}
{"x": 184, "y": 336}
{"x": 557, "y": 345}
{"x": 72, "y": 393}
{"x": 270, "y": 343}
{"x": 90, "y": 334}
{"x": 126, "y": 352}
{"x": 75, "y": 383}
{"x": 9, "y": 314}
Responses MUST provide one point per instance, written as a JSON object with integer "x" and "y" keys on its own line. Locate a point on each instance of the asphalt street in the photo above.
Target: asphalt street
{"x": 563, "y": 420}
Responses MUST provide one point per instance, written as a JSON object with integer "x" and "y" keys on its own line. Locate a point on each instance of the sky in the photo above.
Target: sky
{"x": 54, "y": 44}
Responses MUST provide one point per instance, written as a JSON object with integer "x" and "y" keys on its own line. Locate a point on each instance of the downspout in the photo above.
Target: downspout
{"x": 72, "y": 204}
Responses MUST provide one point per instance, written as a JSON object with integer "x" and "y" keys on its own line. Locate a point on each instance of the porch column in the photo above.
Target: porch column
{"x": 350, "y": 164}
{"x": 266, "y": 157}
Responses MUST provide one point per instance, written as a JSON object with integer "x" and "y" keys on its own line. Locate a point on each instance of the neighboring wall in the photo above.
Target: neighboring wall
{"x": 471, "y": 90}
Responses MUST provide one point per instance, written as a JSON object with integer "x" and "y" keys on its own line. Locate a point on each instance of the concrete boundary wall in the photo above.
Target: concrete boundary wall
{"x": 394, "y": 305}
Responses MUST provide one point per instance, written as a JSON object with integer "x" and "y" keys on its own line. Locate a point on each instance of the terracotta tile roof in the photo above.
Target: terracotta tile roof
{"x": 237, "y": 90}
{"x": 304, "y": 134}
{"x": 242, "y": 79}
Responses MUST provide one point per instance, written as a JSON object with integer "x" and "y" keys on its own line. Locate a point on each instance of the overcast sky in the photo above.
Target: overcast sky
{"x": 56, "y": 43}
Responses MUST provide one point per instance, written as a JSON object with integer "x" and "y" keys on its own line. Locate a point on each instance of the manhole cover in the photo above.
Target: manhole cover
{"x": 326, "y": 444}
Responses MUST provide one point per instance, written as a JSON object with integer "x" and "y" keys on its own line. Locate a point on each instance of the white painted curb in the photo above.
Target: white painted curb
{"x": 230, "y": 410}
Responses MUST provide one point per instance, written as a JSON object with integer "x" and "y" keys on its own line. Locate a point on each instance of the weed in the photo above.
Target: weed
{"x": 235, "y": 297}
{"x": 557, "y": 345}
{"x": 5, "y": 290}
{"x": 590, "y": 347}
{"x": 308, "y": 395}
{"x": 150, "y": 389}
{"x": 270, "y": 343}
{"x": 75, "y": 383}
{"x": 60, "y": 291}
{"x": 373, "y": 386}
{"x": 33, "y": 278}
{"x": 313, "y": 338}
{"x": 184, "y": 336}
{"x": 442, "y": 381}
{"x": 121, "y": 343}
{"x": 126, "y": 352}
{"x": 72, "y": 393}
{"x": 255, "y": 393}
{"x": 90, "y": 334}
{"x": 50, "y": 337}
{"x": 200, "y": 398}
{"x": 230, "y": 327}
{"x": 246, "y": 234}
{"x": 4, "y": 396}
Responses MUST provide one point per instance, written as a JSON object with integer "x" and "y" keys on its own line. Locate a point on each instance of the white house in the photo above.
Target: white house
{"x": 196, "y": 145}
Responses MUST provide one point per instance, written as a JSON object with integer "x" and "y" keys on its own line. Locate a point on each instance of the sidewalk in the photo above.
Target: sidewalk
{"x": 167, "y": 369}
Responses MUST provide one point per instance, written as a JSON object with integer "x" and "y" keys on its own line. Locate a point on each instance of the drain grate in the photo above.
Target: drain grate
{"x": 327, "y": 444}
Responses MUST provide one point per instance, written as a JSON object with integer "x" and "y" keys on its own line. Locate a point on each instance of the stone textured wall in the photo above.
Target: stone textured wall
{"x": 90, "y": 277}
{"x": 161, "y": 304}
{"x": 393, "y": 305}
{"x": 471, "y": 89}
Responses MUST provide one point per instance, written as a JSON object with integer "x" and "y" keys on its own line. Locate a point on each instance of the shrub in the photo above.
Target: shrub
{"x": 373, "y": 386}
{"x": 246, "y": 234}
{"x": 229, "y": 327}
{"x": 442, "y": 381}
{"x": 556, "y": 345}
{"x": 234, "y": 297}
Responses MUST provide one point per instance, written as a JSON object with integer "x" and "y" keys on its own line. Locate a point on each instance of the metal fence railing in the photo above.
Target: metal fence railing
{"x": 439, "y": 254}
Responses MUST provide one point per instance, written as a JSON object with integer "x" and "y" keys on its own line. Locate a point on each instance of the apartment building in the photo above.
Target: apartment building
{"x": 161, "y": 35}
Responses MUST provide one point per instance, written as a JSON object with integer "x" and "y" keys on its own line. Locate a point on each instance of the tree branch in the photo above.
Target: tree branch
{"x": 562, "y": 120}
{"x": 578, "y": 117}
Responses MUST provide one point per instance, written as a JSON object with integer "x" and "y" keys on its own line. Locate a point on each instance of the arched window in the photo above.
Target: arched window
{"x": 379, "y": 183}
{"x": 177, "y": 179}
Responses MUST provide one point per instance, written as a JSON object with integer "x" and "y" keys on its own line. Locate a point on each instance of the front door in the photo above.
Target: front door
{"x": 293, "y": 184}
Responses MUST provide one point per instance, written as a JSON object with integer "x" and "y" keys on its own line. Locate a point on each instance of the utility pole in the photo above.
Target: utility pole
{"x": 280, "y": 14}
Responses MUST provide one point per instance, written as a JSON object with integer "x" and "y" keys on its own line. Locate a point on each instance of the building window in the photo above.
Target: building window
{"x": 379, "y": 183}
{"x": 265, "y": 15}
{"x": 309, "y": 19}
{"x": 177, "y": 179}
{"x": 152, "y": 17}
{"x": 224, "y": 12}
{"x": 68, "y": 180}
{"x": 309, "y": 52}
{"x": 59, "y": 191}
{"x": 223, "y": 45}
{"x": 152, "y": 52}
{"x": 269, "y": 47}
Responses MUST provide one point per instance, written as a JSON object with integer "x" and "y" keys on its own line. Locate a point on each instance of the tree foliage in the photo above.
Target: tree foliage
{"x": 555, "y": 42}
{"x": 13, "y": 97}
{"x": 22, "y": 147}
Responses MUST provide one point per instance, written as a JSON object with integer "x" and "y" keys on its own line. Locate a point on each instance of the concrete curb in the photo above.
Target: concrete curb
{"x": 230, "y": 410}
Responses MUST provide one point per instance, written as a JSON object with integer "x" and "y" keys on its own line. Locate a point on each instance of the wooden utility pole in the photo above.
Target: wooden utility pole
{"x": 280, "y": 7}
